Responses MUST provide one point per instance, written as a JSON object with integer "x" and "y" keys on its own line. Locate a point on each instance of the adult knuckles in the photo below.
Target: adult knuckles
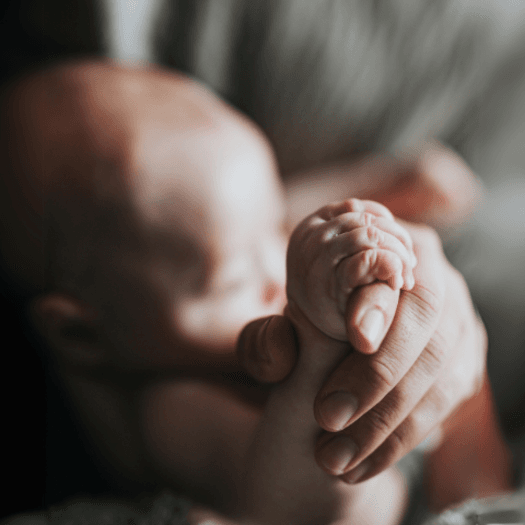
{"x": 381, "y": 376}
{"x": 402, "y": 440}
{"x": 391, "y": 450}
{"x": 410, "y": 433}
{"x": 427, "y": 303}
{"x": 430, "y": 298}
{"x": 467, "y": 368}
{"x": 437, "y": 353}
{"x": 394, "y": 447}
{"x": 377, "y": 423}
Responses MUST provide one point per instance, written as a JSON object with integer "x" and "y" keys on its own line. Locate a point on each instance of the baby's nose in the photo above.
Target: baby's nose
{"x": 270, "y": 292}
{"x": 273, "y": 295}
{"x": 272, "y": 265}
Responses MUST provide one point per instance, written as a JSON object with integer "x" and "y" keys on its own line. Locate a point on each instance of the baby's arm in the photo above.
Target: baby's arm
{"x": 340, "y": 247}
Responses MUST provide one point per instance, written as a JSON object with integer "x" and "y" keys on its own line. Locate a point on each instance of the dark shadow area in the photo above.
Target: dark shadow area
{"x": 45, "y": 459}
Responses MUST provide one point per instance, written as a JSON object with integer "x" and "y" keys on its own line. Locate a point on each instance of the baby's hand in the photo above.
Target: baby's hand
{"x": 339, "y": 248}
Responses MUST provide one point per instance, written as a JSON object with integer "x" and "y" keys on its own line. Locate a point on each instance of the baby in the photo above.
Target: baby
{"x": 130, "y": 202}
{"x": 157, "y": 231}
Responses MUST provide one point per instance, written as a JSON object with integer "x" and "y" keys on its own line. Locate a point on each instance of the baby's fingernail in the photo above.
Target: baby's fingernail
{"x": 337, "y": 454}
{"x": 337, "y": 409}
{"x": 371, "y": 325}
{"x": 414, "y": 260}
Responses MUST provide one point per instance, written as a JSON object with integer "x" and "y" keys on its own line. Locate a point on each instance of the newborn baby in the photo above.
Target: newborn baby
{"x": 162, "y": 234}
{"x": 333, "y": 252}
{"x": 147, "y": 219}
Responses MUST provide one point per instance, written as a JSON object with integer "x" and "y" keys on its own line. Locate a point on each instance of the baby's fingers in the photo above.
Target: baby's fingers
{"x": 366, "y": 267}
{"x": 350, "y": 221}
{"x": 369, "y": 238}
{"x": 331, "y": 211}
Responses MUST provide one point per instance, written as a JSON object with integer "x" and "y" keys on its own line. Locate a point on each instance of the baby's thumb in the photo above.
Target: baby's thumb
{"x": 370, "y": 311}
{"x": 267, "y": 349}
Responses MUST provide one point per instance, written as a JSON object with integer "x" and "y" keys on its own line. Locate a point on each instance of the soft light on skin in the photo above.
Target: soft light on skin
{"x": 201, "y": 249}
{"x": 166, "y": 241}
{"x": 246, "y": 251}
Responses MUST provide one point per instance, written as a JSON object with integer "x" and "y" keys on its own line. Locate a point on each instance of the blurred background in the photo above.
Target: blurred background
{"x": 326, "y": 80}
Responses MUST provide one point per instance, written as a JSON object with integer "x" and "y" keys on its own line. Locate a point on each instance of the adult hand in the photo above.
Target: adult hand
{"x": 383, "y": 404}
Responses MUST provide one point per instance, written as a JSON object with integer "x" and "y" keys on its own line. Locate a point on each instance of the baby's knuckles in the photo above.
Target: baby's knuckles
{"x": 317, "y": 280}
{"x": 374, "y": 235}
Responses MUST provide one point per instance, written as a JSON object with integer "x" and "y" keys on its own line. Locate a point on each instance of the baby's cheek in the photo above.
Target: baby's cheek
{"x": 217, "y": 323}
{"x": 203, "y": 325}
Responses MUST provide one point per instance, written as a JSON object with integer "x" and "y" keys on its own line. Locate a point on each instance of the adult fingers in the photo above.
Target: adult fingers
{"x": 403, "y": 417}
{"x": 430, "y": 413}
{"x": 369, "y": 314}
{"x": 424, "y": 418}
{"x": 448, "y": 371}
{"x": 363, "y": 381}
{"x": 267, "y": 348}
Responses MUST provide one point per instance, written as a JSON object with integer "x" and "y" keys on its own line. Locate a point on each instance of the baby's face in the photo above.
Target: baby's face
{"x": 213, "y": 211}
{"x": 197, "y": 249}
{"x": 240, "y": 237}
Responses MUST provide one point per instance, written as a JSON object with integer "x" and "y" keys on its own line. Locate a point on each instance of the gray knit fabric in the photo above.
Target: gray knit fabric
{"x": 165, "y": 509}
{"x": 328, "y": 78}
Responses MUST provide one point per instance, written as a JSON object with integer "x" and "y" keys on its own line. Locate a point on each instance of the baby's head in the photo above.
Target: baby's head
{"x": 147, "y": 216}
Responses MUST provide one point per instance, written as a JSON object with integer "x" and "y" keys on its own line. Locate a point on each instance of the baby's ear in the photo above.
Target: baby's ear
{"x": 69, "y": 327}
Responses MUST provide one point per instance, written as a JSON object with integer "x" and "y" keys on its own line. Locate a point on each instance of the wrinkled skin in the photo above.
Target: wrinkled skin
{"x": 426, "y": 368}
{"x": 400, "y": 400}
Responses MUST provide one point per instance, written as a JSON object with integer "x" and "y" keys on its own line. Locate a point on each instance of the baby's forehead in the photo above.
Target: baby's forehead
{"x": 213, "y": 170}
{"x": 104, "y": 103}
{"x": 101, "y": 109}
{"x": 215, "y": 182}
